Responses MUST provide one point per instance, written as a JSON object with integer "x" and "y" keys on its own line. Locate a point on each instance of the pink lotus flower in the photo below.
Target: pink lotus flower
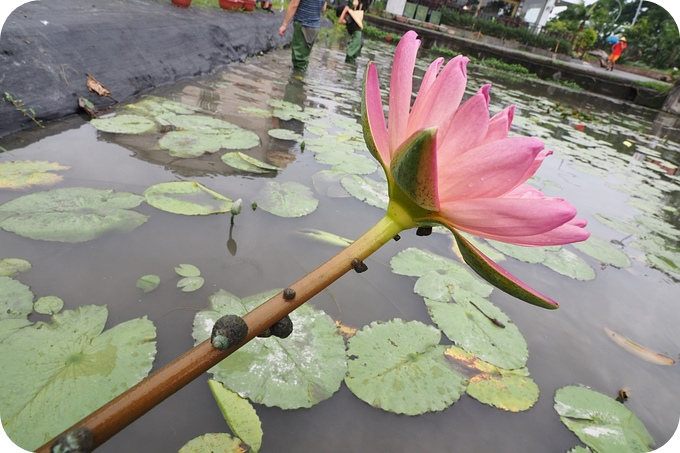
{"x": 449, "y": 163}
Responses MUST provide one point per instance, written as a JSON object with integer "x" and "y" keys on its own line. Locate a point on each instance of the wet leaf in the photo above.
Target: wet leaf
{"x": 125, "y": 124}
{"x": 186, "y": 198}
{"x": 48, "y": 305}
{"x": 159, "y": 107}
{"x": 367, "y": 190}
{"x": 148, "y": 283}
{"x": 11, "y": 266}
{"x": 55, "y": 374}
{"x": 568, "y": 263}
{"x": 478, "y": 326}
{"x": 255, "y": 111}
{"x": 16, "y": 299}
{"x": 239, "y": 414}
{"x": 284, "y": 134}
{"x": 203, "y": 134}
{"x": 288, "y": 199}
{"x": 187, "y": 144}
{"x": 532, "y": 255}
{"x": 190, "y": 284}
{"x": 604, "y": 252}
{"x": 279, "y": 372}
{"x": 600, "y": 422}
{"x": 75, "y": 214}
{"x": 96, "y": 87}
{"x": 244, "y": 162}
{"x": 351, "y": 163}
{"x": 399, "y": 367}
{"x": 638, "y": 350}
{"x": 324, "y": 236}
{"x": 187, "y": 270}
{"x": 23, "y": 174}
{"x": 214, "y": 443}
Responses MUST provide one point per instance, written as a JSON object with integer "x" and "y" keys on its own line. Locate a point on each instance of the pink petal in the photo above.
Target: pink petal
{"x": 565, "y": 234}
{"x": 507, "y": 218}
{"x": 467, "y": 128}
{"x": 374, "y": 113}
{"x": 499, "y": 126}
{"x": 428, "y": 79}
{"x": 489, "y": 170}
{"x": 401, "y": 85}
{"x": 442, "y": 99}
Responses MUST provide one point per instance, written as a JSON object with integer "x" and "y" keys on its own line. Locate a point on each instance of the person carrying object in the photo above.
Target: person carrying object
{"x": 306, "y": 18}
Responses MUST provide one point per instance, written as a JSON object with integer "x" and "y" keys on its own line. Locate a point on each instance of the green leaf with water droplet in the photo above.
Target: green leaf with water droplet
{"x": 125, "y": 124}
{"x": 239, "y": 414}
{"x": 298, "y": 371}
{"x": 288, "y": 199}
{"x": 601, "y": 422}
{"x": 48, "y": 305}
{"x": 186, "y": 198}
{"x": 214, "y": 443}
{"x": 55, "y": 374}
{"x": 604, "y": 252}
{"x": 400, "y": 367}
{"x": 11, "y": 266}
{"x": 22, "y": 174}
{"x": 74, "y": 214}
{"x": 148, "y": 283}
{"x": 244, "y": 162}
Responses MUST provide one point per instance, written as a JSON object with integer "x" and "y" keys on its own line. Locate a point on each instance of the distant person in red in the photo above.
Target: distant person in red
{"x": 617, "y": 49}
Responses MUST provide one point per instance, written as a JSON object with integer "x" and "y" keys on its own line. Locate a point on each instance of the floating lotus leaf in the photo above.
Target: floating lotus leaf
{"x": 288, "y": 199}
{"x": 48, "y": 305}
{"x": 283, "y": 105}
{"x": 604, "y": 252}
{"x": 399, "y": 367}
{"x": 148, "y": 283}
{"x": 190, "y": 284}
{"x": 351, "y": 163}
{"x": 187, "y": 270}
{"x": 186, "y": 198}
{"x": 11, "y": 266}
{"x": 55, "y": 374}
{"x": 279, "y": 372}
{"x": 367, "y": 190}
{"x": 319, "y": 131}
{"x": 214, "y": 443}
{"x": 326, "y": 144}
{"x": 284, "y": 134}
{"x": 239, "y": 414}
{"x": 255, "y": 111}
{"x": 204, "y": 134}
{"x": 188, "y": 144}
{"x": 478, "y": 326}
{"x": 156, "y": 106}
{"x": 74, "y": 214}
{"x": 202, "y": 123}
{"x": 568, "y": 263}
{"x": 16, "y": 299}
{"x": 327, "y": 182}
{"x": 618, "y": 225}
{"x": 600, "y": 422}
{"x": 245, "y": 162}
{"x": 23, "y": 174}
{"x": 665, "y": 261}
{"x": 532, "y": 255}
{"x": 125, "y": 124}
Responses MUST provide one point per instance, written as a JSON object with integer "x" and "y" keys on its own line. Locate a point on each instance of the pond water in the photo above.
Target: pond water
{"x": 606, "y": 171}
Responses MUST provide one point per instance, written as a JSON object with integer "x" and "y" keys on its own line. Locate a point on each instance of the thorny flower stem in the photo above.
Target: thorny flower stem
{"x": 111, "y": 418}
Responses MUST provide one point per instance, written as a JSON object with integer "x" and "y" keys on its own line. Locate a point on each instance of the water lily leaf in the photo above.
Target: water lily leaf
{"x": 244, "y": 162}
{"x": 187, "y": 270}
{"x": 351, "y": 163}
{"x": 666, "y": 262}
{"x": 279, "y": 372}
{"x": 399, "y": 367}
{"x": 190, "y": 284}
{"x": 532, "y": 255}
{"x": 214, "y": 443}
{"x": 255, "y": 111}
{"x": 483, "y": 247}
{"x": 55, "y": 374}
{"x": 284, "y": 134}
{"x": 638, "y": 350}
{"x": 11, "y": 266}
{"x": 324, "y": 236}
{"x": 148, "y": 283}
{"x": 23, "y": 174}
{"x": 319, "y": 131}
{"x": 439, "y": 276}
{"x": 156, "y": 106}
{"x": 48, "y": 305}
{"x": 205, "y": 134}
{"x": 478, "y": 326}
{"x": 600, "y": 422}
{"x": 604, "y": 252}
{"x": 510, "y": 390}
{"x": 327, "y": 182}
{"x": 367, "y": 190}
{"x": 326, "y": 145}
{"x": 202, "y": 123}
{"x": 239, "y": 414}
{"x": 288, "y": 199}
{"x": 74, "y": 214}
{"x": 125, "y": 124}
{"x": 568, "y": 263}
{"x": 283, "y": 105}
{"x": 16, "y": 299}
{"x": 186, "y": 198}
{"x": 188, "y": 144}
{"x": 618, "y": 224}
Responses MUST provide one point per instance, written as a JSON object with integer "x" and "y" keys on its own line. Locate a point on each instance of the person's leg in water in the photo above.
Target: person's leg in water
{"x": 300, "y": 50}
{"x": 354, "y": 46}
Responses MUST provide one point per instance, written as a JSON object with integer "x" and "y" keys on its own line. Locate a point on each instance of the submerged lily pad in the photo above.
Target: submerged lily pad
{"x": 148, "y": 283}
{"x": 399, "y": 367}
{"x": 604, "y": 252}
{"x": 288, "y": 199}
{"x": 55, "y": 374}
{"x": 74, "y": 214}
{"x": 600, "y": 422}
{"x": 351, "y": 163}
{"x": 125, "y": 124}
{"x": 23, "y": 174}
{"x": 239, "y": 414}
{"x": 245, "y": 162}
{"x": 324, "y": 236}
{"x": 11, "y": 266}
{"x": 286, "y": 373}
{"x": 568, "y": 263}
{"x": 214, "y": 443}
{"x": 186, "y": 198}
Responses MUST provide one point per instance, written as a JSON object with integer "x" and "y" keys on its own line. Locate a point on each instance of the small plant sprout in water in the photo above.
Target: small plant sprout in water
{"x": 19, "y": 105}
{"x": 236, "y": 209}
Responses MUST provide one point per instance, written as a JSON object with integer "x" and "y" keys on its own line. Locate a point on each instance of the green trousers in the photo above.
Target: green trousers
{"x": 354, "y": 46}
{"x": 301, "y": 45}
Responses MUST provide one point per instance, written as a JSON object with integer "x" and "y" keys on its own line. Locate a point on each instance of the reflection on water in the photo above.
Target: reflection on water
{"x": 260, "y": 251}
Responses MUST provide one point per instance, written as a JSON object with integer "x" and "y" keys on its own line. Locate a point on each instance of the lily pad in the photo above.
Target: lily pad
{"x": 125, "y": 124}
{"x": 187, "y": 144}
{"x": 245, "y": 162}
{"x": 214, "y": 443}
{"x": 187, "y": 270}
{"x": 16, "y": 299}
{"x": 55, "y": 374}
{"x": 399, "y": 367}
{"x": 284, "y": 134}
{"x": 351, "y": 163}
{"x": 367, "y": 190}
{"x": 239, "y": 414}
{"x": 148, "y": 283}
{"x": 604, "y": 252}
{"x": 23, "y": 174}
{"x": 11, "y": 266}
{"x": 255, "y": 111}
{"x": 600, "y": 422}
{"x": 568, "y": 263}
{"x": 75, "y": 214}
{"x": 186, "y": 198}
{"x": 273, "y": 371}
{"x": 288, "y": 199}
{"x": 190, "y": 284}
{"x": 156, "y": 106}
{"x": 48, "y": 305}
{"x": 532, "y": 255}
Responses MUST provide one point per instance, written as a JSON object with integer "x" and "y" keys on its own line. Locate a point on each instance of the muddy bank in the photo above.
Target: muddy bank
{"x": 47, "y": 47}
